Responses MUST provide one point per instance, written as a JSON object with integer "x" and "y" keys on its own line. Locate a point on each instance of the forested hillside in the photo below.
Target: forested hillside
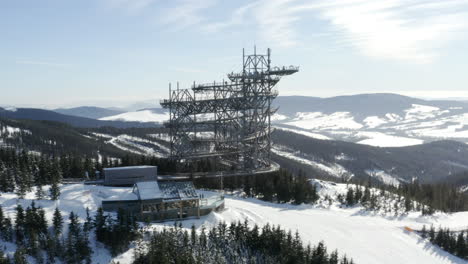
{"x": 427, "y": 163}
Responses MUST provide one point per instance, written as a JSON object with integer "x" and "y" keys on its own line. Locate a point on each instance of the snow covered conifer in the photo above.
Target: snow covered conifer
{"x": 461, "y": 247}
{"x": 54, "y": 191}
{"x": 350, "y": 197}
{"x": 20, "y": 256}
{"x": 39, "y": 192}
{"x": 424, "y": 232}
{"x": 57, "y": 222}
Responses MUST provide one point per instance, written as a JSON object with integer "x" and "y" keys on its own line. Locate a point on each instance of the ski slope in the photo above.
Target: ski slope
{"x": 364, "y": 236}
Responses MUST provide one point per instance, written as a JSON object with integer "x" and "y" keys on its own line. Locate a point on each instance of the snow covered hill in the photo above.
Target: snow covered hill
{"x": 137, "y": 145}
{"x": 384, "y": 120}
{"x": 364, "y": 236}
{"x": 429, "y": 162}
{"x": 146, "y": 115}
{"x": 88, "y": 111}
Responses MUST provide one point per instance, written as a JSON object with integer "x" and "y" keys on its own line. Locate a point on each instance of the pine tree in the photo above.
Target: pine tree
{"x": 2, "y": 217}
{"x": 432, "y": 234}
{"x": 57, "y": 222}
{"x": 461, "y": 246}
{"x": 100, "y": 221}
{"x": 333, "y": 258}
{"x": 39, "y": 192}
{"x": 6, "y": 181}
{"x": 319, "y": 254}
{"x": 3, "y": 259}
{"x": 396, "y": 207}
{"x": 54, "y": 191}
{"x": 19, "y": 224}
{"x": 74, "y": 225}
{"x": 439, "y": 238}
{"x": 88, "y": 224}
{"x": 74, "y": 242}
{"x": 21, "y": 184}
{"x": 350, "y": 197}
{"x": 424, "y": 232}
{"x": 7, "y": 233}
{"x": 408, "y": 204}
{"x": 20, "y": 257}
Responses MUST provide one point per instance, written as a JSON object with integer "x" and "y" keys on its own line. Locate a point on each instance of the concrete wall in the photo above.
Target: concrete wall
{"x": 122, "y": 176}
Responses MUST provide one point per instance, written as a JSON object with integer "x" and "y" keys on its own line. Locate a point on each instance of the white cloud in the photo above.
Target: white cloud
{"x": 404, "y": 30}
{"x": 185, "y": 13}
{"x": 276, "y": 20}
{"x": 238, "y": 17}
{"x": 411, "y": 30}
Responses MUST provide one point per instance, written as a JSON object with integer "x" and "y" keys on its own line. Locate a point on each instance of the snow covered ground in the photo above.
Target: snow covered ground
{"x": 412, "y": 126}
{"x": 383, "y": 177}
{"x": 332, "y": 169}
{"x": 305, "y": 133}
{"x": 416, "y": 125}
{"x": 11, "y": 131}
{"x": 135, "y": 144}
{"x": 139, "y": 116}
{"x": 380, "y": 139}
{"x": 366, "y": 237}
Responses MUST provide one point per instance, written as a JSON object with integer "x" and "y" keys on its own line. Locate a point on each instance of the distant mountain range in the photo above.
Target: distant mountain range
{"x": 77, "y": 121}
{"x": 319, "y": 134}
{"x": 431, "y": 162}
{"x": 88, "y": 112}
{"x": 385, "y": 120}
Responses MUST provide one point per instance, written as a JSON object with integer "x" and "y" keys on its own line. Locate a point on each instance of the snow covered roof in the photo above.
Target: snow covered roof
{"x": 129, "y": 168}
{"x": 147, "y": 190}
{"x": 165, "y": 190}
{"x": 178, "y": 190}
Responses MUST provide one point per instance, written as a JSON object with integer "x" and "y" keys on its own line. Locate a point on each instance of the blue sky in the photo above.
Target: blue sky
{"x": 115, "y": 52}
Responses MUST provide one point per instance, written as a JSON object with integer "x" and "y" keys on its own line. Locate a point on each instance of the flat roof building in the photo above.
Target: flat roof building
{"x": 152, "y": 201}
{"x": 127, "y": 176}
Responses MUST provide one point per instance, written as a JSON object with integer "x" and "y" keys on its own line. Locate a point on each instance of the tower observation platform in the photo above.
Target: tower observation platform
{"x": 229, "y": 121}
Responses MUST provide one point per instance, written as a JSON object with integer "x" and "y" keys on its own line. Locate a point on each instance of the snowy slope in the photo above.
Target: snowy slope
{"x": 429, "y": 162}
{"x": 382, "y": 120}
{"x": 332, "y": 169}
{"x": 140, "y": 116}
{"x": 9, "y": 131}
{"x": 135, "y": 145}
{"x": 366, "y": 237}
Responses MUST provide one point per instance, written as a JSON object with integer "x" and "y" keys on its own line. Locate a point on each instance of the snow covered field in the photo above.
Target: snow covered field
{"x": 135, "y": 145}
{"x": 364, "y": 236}
{"x": 333, "y": 169}
{"x": 139, "y": 116}
{"x": 414, "y": 126}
